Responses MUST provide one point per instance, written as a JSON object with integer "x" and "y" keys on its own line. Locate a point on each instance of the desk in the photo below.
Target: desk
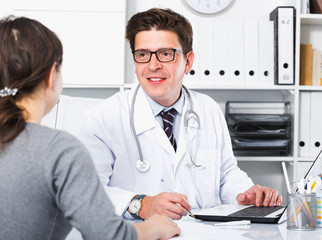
{"x": 201, "y": 230}
{"x": 192, "y": 229}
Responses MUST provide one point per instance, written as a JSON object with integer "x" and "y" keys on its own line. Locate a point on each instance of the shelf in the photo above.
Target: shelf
{"x": 265, "y": 159}
{"x": 240, "y": 87}
{"x": 311, "y": 19}
{"x": 310, "y": 88}
{"x": 107, "y": 86}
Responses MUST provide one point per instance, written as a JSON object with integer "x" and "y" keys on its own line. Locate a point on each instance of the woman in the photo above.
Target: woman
{"x": 48, "y": 183}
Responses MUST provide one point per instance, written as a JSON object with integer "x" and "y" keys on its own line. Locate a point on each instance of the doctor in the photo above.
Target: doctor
{"x": 150, "y": 165}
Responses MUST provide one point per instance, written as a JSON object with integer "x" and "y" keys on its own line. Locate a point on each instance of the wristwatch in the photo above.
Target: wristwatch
{"x": 135, "y": 206}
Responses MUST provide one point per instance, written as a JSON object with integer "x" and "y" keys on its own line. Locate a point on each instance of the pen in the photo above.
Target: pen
{"x": 289, "y": 191}
{"x": 233, "y": 223}
{"x": 170, "y": 190}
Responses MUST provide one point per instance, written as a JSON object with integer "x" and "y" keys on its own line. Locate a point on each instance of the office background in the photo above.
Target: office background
{"x": 98, "y": 62}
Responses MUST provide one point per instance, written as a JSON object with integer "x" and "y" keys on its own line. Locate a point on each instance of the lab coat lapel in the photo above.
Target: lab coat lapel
{"x": 144, "y": 120}
{"x": 143, "y": 116}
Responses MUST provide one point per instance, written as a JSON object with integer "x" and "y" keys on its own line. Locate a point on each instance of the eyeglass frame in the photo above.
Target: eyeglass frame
{"x": 155, "y": 52}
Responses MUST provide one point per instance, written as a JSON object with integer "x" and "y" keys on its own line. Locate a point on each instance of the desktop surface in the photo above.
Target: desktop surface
{"x": 192, "y": 229}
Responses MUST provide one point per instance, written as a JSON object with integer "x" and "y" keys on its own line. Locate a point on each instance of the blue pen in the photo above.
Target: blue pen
{"x": 170, "y": 190}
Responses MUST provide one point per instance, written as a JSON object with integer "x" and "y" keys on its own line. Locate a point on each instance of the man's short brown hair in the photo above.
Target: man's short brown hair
{"x": 160, "y": 19}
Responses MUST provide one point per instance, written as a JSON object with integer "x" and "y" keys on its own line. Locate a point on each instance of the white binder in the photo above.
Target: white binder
{"x": 193, "y": 77}
{"x": 316, "y": 123}
{"x": 206, "y": 56}
{"x": 236, "y": 53}
{"x": 251, "y": 55}
{"x": 221, "y": 61}
{"x": 284, "y": 34}
{"x": 304, "y": 124}
{"x": 266, "y": 52}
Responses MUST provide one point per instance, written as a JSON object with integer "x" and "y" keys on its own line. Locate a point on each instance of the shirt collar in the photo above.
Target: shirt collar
{"x": 157, "y": 108}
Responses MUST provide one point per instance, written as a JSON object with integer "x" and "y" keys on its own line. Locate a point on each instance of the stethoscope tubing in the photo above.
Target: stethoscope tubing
{"x": 142, "y": 164}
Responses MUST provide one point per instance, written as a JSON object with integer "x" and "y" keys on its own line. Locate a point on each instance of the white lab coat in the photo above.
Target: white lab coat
{"x": 108, "y": 136}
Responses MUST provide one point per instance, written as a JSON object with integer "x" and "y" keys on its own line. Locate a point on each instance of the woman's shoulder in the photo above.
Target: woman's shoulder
{"x": 49, "y": 137}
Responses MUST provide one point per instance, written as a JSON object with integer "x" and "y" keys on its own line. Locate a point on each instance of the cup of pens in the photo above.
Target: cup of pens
{"x": 301, "y": 211}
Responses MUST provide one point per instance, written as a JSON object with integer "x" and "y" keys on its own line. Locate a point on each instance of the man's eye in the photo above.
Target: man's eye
{"x": 142, "y": 55}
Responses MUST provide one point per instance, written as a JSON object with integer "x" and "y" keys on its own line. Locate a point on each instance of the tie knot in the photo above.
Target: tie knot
{"x": 169, "y": 115}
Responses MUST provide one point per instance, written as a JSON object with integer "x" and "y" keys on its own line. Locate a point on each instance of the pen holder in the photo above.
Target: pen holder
{"x": 319, "y": 210}
{"x": 301, "y": 211}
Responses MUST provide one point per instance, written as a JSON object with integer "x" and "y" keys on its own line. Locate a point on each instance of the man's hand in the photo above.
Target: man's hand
{"x": 173, "y": 205}
{"x": 260, "y": 196}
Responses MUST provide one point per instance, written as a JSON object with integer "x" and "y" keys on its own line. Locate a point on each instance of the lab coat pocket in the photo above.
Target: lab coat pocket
{"x": 206, "y": 177}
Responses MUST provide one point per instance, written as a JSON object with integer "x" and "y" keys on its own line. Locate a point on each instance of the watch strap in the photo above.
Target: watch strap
{"x": 139, "y": 197}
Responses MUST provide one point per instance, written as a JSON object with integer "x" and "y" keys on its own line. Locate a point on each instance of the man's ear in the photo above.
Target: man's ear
{"x": 49, "y": 81}
{"x": 190, "y": 58}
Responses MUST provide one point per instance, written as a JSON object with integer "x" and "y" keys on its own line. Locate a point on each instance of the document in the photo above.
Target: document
{"x": 284, "y": 42}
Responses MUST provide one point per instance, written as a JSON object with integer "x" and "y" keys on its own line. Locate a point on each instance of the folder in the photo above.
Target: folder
{"x": 266, "y": 52}
{"x": 316, "y": 125}
{"x": 236, "y": 53}
{"x": 193, "y": 78}
{"x": 306, "y": 58}
{"x": 251, "y": 54}
{"x": 206, "y": 56}
{"x": 304, "y": 124}
{"x": 284, "y": 42}
{"x": 221, "y": 61}
{"x": 316, "y": 68}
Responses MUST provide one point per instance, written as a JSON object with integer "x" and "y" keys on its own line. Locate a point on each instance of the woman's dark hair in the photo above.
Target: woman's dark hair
{"x": 160, "y": 19}
{"x": 28, "y": 51}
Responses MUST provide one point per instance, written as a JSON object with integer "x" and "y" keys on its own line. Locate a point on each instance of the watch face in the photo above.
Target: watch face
{"x": 208, "y": 6}
{"x": 135, "y": 206}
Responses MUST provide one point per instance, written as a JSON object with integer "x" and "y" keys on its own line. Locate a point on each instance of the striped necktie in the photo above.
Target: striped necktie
{"x": 168, "y": 119}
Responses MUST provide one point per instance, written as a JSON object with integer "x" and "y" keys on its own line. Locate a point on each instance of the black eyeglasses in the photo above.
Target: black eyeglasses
{"x": 163, "y": 55}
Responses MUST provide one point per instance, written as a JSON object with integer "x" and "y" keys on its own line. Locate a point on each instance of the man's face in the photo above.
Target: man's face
{"x": 161, "y": 81}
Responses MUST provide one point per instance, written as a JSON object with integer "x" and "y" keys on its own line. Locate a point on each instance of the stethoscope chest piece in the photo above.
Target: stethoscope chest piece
{"x": 143, "y": 165}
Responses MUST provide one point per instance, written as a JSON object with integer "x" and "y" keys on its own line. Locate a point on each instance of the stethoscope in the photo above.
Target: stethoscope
{"x": 143, "y": 165}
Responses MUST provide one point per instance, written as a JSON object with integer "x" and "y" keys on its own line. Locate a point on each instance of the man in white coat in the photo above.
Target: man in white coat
{"x": 146, "y": 169}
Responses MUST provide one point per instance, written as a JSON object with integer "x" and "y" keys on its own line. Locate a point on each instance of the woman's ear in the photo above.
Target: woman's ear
{"x": 49, "y": 81}
{"x": 190, "y": 58}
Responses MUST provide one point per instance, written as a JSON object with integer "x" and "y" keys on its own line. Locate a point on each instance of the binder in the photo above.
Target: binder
{"x": 251, "y": 54}
{"x": 306, "y": 57}
{"x": 236, "y": 53}
{"x": 193, "y": 78}
{"x": 316, "y": 67}
{"x": 266, "y": 52}
{"x": 284, "y": 44}
{"x": 316, "y": 126}
{"x": 206, "y": 58}
{"x": 221, "y": 61}
{"x": 304, "y": 123}
{"x": 305, "y": 6}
